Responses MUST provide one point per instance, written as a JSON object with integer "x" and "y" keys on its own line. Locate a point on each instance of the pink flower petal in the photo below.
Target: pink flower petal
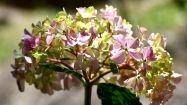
{"x": 137, "y": 56}
{"x": 49, "y": 39}
{"x": 118, "y": 56}
{"x": 117, "y": 20}
{"x": 143, "y": 29}
{"x": 83, "y": 38}
{"x": 93, "y": 32}
{"x": 120, "y": 39}
{"x": 21, "y": 84}
{"x": 116, "y": 45}
{"x": 79, "y": 65}
{"x": 56, "y": 85}
{"x": 148, "y": 54}
{"x": 71, "y": 42}
{"x": 176, "y": 78}
{"x": 71, "y": 34}
{"x": 146, "y": 66}
{"x": 37, "y": 40}
{"x": 28, "y": 59}
{"x": 109, "y": 13}
{"x": 66, "y": 83}
{"x": 54, "y": 24}
{"x": 133, "y": 43}
{"x": 94, "y": 65}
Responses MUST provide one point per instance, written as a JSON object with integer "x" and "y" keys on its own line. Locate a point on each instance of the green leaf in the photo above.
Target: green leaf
{"x": 105, "y": 36}
{"x": 111, "y": 94}
{"x": 113, "y": 68}
{"x": 46, "y": 22}
{"x": 38, "y": 28}
{"x": 38, "y": 56}
{"x": 58, "y": 68}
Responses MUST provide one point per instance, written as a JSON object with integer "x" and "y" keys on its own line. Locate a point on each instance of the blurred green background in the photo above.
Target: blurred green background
{"x": 168, "y": 17}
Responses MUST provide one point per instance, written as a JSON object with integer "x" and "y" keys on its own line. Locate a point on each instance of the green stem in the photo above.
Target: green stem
{"x": 88, "y": 93}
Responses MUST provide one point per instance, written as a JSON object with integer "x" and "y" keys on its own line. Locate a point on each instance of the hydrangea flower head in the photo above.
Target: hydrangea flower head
{"x": 88, "y": 46}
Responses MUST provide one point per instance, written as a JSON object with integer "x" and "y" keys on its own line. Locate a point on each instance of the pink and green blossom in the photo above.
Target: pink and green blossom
{"x": 92, "y": 47}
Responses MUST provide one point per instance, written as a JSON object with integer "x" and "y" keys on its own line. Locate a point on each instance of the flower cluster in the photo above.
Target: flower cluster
{"x": 94, "y": 44}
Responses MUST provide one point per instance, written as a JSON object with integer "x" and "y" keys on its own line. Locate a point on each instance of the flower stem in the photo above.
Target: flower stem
{"x": 88, "y": 93}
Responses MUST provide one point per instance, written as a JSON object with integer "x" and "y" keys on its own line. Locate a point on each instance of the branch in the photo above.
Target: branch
{"x": 99, "y": 76}
{"x": 85, "y": 76}
{"x": 60, "y": 62}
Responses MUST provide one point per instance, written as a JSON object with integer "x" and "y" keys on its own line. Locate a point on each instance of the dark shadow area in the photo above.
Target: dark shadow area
{"x": 68, "y": 4}
{"x": 181, "y": 3}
